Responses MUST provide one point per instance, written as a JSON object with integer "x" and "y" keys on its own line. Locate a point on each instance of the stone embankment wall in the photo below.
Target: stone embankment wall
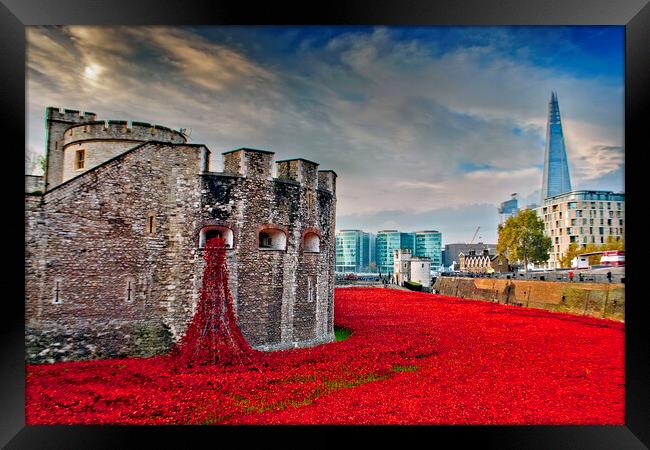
{"x": 602, "y": 300}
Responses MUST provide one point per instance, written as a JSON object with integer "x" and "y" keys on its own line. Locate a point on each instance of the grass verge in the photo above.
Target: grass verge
{"x": 341, "y": 333}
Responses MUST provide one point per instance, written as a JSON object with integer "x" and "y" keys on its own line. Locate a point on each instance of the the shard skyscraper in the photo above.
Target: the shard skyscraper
{"x": 556, "y": 166}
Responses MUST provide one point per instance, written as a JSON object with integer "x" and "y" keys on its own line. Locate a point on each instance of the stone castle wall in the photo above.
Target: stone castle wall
{"x": 34, "y": 184}
{"x": 90, "y": 242}
{"x": 123, "y": 290}
{"x": 102, "y": 141}
{"x": 272, "y": 286}
{"x": 96, "y": 153}
{"x": 57, "y": 123}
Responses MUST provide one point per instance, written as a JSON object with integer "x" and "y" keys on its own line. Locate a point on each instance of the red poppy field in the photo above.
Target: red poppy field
{"x": 412, "y": 358}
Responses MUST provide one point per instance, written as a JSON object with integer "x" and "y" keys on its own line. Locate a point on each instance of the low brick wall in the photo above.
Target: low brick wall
{"x": 592, "y": 299}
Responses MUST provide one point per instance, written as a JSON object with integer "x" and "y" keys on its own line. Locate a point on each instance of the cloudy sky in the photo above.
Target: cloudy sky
{"x": 427, "y": 127}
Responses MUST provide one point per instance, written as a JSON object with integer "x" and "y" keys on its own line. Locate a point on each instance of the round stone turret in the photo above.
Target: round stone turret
{"x": 89, "y": 144}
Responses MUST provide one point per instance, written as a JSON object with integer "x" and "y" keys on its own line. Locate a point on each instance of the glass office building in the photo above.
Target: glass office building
{"x": 556, "y": 179}
{"x": 387, "y": 241}
{"x": 508, "y": 209}
{"x": 354, "y": 251}
{"x": 428, "y": 244}
{"x": 407, "y": 240}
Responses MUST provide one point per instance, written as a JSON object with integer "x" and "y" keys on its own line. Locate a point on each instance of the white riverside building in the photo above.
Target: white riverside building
{"x": 583, "y": 217}
{"x": 407, "y": 267}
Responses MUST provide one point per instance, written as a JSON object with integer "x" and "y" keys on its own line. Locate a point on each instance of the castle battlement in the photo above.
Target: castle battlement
{"x": 300, "y": 170}
{"x": 327, "y": 181}
{"x": 256, "y": 164}
{"x": 121, "y": 129}
{"x": 68, "y": 115}
{"x": 77, "y": 142}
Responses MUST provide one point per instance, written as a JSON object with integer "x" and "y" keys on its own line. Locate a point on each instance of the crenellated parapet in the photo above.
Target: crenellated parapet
{"x": 327, "y": 181}
{"x": 301, "y": 170}
{"x": 68, "y": 115}
{"x": 123, "y": 130}
{"x": 257, "y": 164}
{"x": 58, "y": 121}
{"x": 248, "y": 162}
{"x": 77, "y": 142}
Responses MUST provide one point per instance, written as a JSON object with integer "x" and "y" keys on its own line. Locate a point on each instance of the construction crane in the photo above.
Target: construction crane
{"x": 475, "y": 233}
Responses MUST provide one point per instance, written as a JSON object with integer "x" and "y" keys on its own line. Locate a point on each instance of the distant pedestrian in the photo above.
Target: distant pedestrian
{"x": 570, "y": 276}
{"x": 580, "y": 276}
{"x": 609, "y": 276}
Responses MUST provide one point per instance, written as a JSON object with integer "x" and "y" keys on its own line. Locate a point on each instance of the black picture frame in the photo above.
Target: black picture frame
{"x": 633, "y": 14}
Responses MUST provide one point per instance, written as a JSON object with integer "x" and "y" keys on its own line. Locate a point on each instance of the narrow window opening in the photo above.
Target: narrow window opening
{"x": 214, "y": 231}
{"x": 272, "y": 239}
{"x": 80, "y": 159}
{"x": 311, "y": 243}
{"x": 311, "y": 289}
{"x": 57, "y": 293}
{"x": 265, "y": 240}
{"x": 128, "y": 291}
{"x": 151, "y": 225}
{"x": 211, "y": 234}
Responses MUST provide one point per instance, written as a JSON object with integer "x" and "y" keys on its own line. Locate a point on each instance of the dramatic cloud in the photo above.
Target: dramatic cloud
{"x": 419, "y": 124}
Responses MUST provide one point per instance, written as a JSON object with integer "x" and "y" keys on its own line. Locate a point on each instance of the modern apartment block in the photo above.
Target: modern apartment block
{"x": 583, "y": 217}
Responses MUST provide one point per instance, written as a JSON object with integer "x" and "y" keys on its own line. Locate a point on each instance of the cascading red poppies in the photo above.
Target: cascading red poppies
{"x": 213, "y": 336}
{"x": 412, "y": 358}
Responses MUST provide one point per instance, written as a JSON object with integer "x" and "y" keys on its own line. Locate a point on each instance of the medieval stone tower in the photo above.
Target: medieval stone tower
{"x": 115, "y": 235}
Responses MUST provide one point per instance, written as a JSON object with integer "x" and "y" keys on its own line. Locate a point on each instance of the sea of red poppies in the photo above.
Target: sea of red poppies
{"x": 412, "y": 358}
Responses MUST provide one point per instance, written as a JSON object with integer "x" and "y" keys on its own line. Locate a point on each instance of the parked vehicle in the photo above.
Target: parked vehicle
{"x": 609, "y": 258}
{"x": 580, "y": 262}
{"x": 613, "y": 258}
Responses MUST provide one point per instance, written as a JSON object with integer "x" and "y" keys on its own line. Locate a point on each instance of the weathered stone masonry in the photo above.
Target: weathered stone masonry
{"x": 114, "y": 259}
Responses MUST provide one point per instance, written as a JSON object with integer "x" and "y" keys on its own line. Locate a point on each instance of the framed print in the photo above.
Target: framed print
{"x": 378, "y": 219}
